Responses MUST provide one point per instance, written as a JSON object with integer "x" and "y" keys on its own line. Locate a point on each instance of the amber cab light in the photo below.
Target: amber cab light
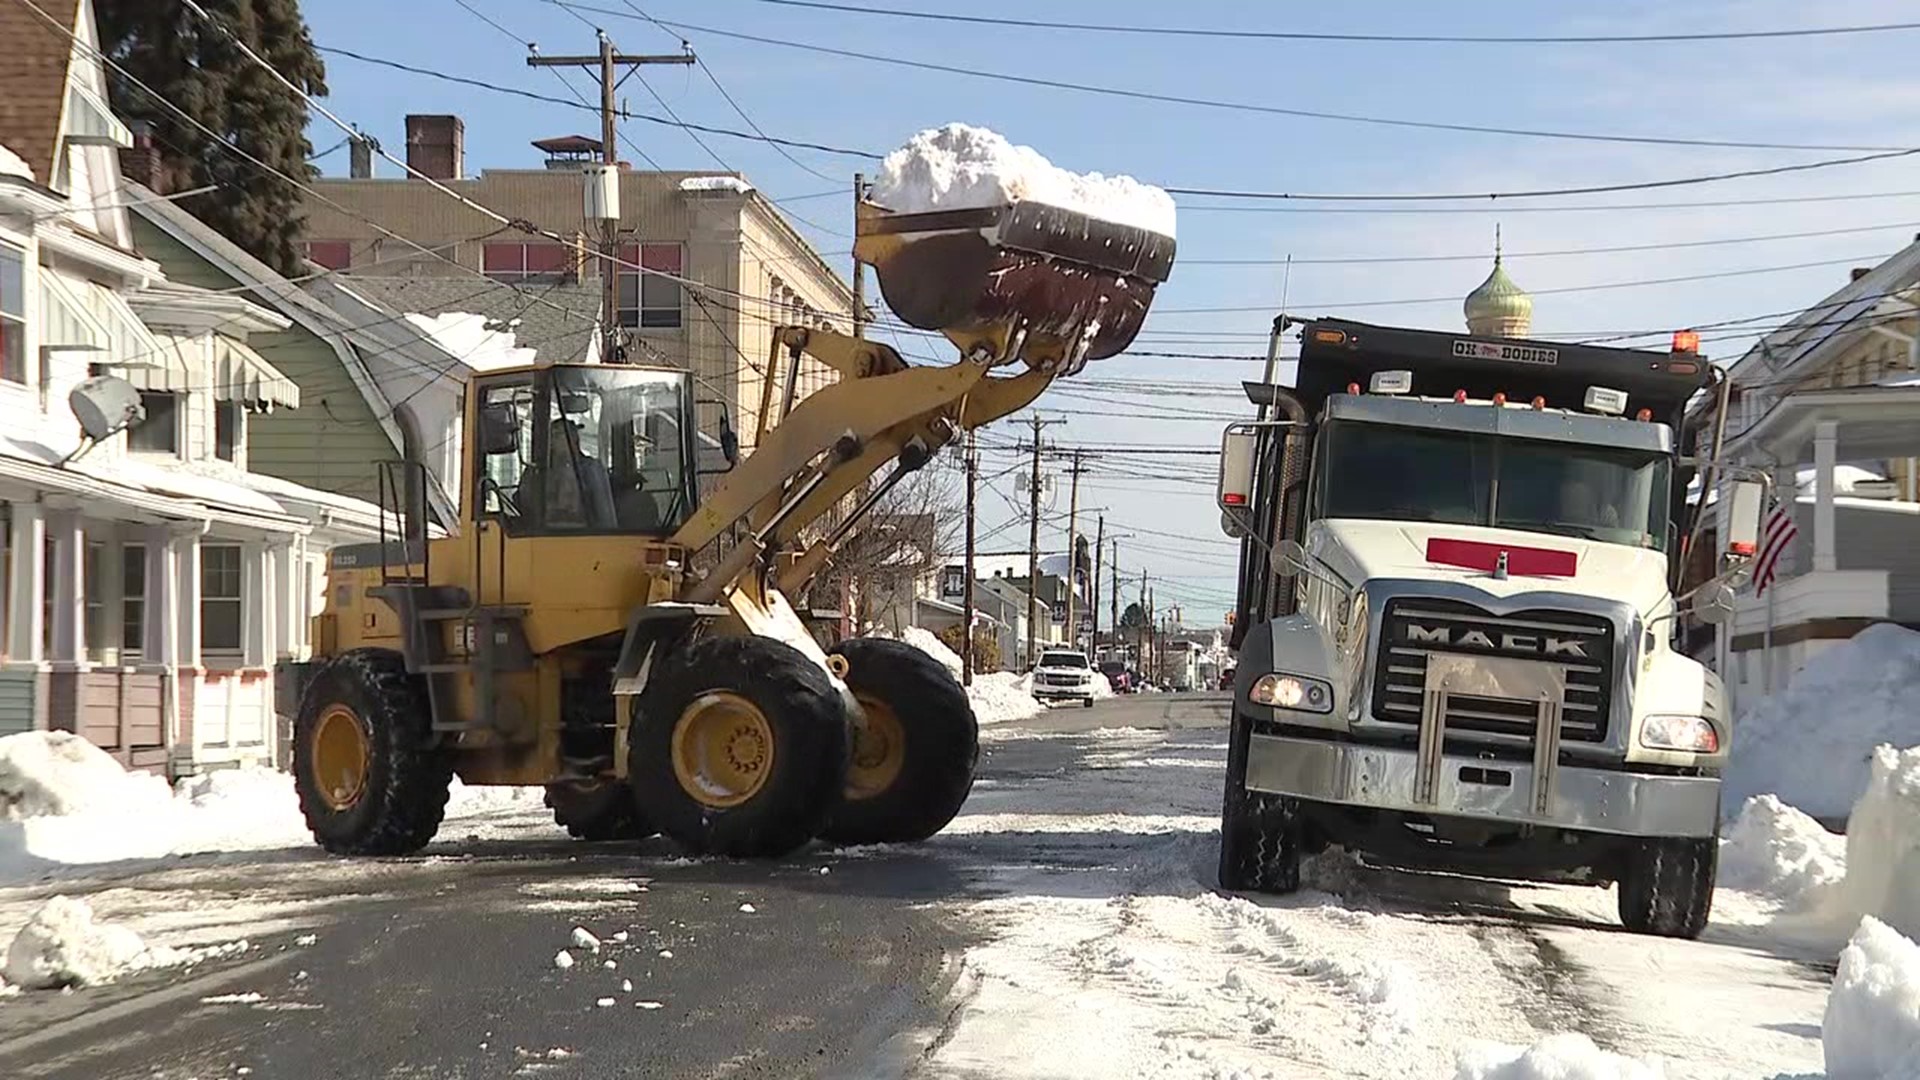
{"x": 1643, "y": 415}
{"x": 1499, "y": 397}
{"x": 1539, "y": 403}
{"x": 1459, "y": 397}
{"x": 1687, "y": 341}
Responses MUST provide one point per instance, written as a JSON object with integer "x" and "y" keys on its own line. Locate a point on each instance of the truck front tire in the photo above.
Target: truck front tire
{"x": 1259, "y": 832}
{"x": 1666, "y": 886}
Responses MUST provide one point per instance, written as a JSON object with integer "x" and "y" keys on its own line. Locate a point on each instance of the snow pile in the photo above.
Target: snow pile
{"x": 1556, "y": 1057}
{"x": 716, "y": 183}
{"x": 12, "y": 164}
{"x": 1811, "y": 744}
{"x": 63, "y": 946}
{"x": 928, "y": 642}
{"x": 1883, "y": 847}
{"x": 52, "y": 773}
{"x": 470, "y": 340}
{"x": 961, "y": 166}
{"x": 1778, "y": 852}
{"x": 997, "y": 697}
{"x": 1872, "y": 1025}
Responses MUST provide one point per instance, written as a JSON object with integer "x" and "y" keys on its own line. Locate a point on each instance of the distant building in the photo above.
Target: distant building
{"x": 753, "y": 269}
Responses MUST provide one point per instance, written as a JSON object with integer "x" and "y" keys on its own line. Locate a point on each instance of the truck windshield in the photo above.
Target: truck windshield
{"x": 1417, "y": 474}
{"x": 1062, "y": 659}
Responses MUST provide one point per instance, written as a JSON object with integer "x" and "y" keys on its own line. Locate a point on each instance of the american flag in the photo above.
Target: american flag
{"x": 1775, "y": 535}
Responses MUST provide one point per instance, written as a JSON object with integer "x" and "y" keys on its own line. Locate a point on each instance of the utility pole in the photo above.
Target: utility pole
{"x": 860, "y": 298}
{"x": 966, "y": 635}
{"x": 1140, "y": 653}
{"x": 1033, "y": 535}
{"x": 1113, "y": 601}
{"x": 1073, "y": 554}
{"x": 1093, "y": 601}
{"x": 603, "y": 185}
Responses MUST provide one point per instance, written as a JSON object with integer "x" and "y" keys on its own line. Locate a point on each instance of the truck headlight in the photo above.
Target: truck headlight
{"x": 1296, "y": 692}
{"x": 1692, "y": 734}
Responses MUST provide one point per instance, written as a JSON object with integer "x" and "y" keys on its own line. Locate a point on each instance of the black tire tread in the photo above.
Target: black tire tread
{"x": 409, "y": 778}
{"x": 1666, "y": 886}
{"x": 595, "y": 815}
{"x": 1260, "y": 845}
{"x": 943, "y": 745}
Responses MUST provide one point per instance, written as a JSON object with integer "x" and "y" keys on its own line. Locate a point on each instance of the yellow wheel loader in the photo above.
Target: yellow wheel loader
{"x": 561, "y": 636}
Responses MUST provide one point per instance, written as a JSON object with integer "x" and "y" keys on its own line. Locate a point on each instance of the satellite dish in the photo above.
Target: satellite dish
{"x": 105, "y": 406}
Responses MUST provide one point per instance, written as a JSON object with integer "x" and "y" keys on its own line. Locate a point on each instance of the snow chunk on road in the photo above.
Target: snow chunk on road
{"x": 1872, "y": 1025}
{"x": 62, "y": 945}
{"x": 1556, "y": 1057}
{"x": 1778, "y": 852}
{"x": 962, "y": 166}
{"x": 563, "y": 959}
{"x": 55, "y": 773}
{"x": 1843, "y": 703}
{"x": 584, "y": 939}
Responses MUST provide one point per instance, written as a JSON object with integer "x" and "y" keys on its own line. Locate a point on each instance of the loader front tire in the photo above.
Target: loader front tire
{"x": 596, "y": 810}
{"x": 914, "y": 757}
{"x": 739, "y": 747}
{"x": 369, "y": 777}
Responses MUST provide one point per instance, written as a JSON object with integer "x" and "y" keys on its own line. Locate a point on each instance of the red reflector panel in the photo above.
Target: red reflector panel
{"x": 1234, "y": 498}
{"x": 1741, "y": 548}
{"x": 1524, "y": 561}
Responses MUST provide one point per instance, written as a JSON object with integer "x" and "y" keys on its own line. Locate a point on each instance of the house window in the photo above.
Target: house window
{"x": 220, "y": 601}
{"x": 649, "y": 300}
{"x": 229, "y": 429}
{"x": 159, "y": 433}
{"x": 133, "y": 599}
{"x": 13, "y": 315}
{"x": 510, "y": 261}
{"x": 94, "y": 587}
{"x": 330, "y": 254}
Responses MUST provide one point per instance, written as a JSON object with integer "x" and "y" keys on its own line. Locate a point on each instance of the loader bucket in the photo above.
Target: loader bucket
{"x": 1023, "y": 280}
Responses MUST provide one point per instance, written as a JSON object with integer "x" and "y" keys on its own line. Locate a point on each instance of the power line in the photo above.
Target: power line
{"x": 1307, "y": 35}
{"x": 1233, "y": 106}
{"x": 1480, "y": 256}
{"x": 1709, "y": 204}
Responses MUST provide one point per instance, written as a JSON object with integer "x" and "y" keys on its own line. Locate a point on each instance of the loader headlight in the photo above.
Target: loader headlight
{"x": 1297, "y": 692}
{"x": 1692, "y": 734}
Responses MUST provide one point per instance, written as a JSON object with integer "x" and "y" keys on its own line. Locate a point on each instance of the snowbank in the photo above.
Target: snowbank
{"x": 1776, "y": 851}
{"x": 47, "y": 773}
{"x": 997, "y": 697}
{"x": 1872, "y": 1025}
{"x": 469, "y": 339}
{"x": 960, "y": 166}
{"x": 928, "y": 642}
{"x": 1883, "y": 848}
{"x": 62, "y": 945}
{"x": 1556, "y": 1057}
{"x": 716, "y": 183}
{"x": 1812, "y": 742}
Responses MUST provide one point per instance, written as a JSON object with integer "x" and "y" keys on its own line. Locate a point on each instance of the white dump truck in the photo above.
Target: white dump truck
{"x": 1459, "y": 598}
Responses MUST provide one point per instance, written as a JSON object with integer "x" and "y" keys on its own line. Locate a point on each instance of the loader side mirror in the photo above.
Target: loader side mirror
{"x": 499, "y": 428}
{"x": 1239, "y": 448}
{"x": 1745, "y": 508}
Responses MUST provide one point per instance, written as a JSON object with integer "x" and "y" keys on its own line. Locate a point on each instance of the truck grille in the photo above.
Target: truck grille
{"x": 1059, "y": 680}
{"x": 1414, "y": 628}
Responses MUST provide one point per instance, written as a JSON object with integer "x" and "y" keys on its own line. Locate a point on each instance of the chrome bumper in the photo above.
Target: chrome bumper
{"x": 1595, "y": 800}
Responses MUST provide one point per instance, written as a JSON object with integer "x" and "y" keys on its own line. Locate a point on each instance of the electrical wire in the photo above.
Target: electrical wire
{"x": 1308, "y": 35}
{"x": 1480, "y": 256}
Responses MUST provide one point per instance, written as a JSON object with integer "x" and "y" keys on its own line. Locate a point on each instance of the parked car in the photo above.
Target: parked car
{"x": 1117, "y": 676}
{"x": 1064, "y": 675}
{"x": 1226, "y": 678}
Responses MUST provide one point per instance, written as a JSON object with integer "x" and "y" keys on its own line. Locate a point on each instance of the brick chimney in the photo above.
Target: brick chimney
{"x": 436, "y": 146}
{"x": 141, "y": 162}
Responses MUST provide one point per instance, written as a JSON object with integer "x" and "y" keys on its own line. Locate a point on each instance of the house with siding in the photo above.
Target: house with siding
{"x": 1829, "y": 405}
{"x": 150, "y": 583}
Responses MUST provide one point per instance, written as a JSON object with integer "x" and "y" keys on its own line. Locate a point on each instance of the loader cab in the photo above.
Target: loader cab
{"x": 575, "y": 450}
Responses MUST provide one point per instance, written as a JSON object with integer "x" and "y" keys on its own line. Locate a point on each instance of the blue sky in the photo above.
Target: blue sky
{"x": 1839, "y": 90}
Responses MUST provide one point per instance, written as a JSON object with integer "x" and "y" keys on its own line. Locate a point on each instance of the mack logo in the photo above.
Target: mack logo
{"x": 1539, "y": 644}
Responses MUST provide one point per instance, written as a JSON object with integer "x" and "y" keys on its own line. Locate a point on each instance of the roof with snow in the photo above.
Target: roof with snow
{"x": 557, "y": 332}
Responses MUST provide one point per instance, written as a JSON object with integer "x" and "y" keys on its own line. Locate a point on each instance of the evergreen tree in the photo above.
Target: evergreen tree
{"x": 1132, "y": 616}
{"x": 197, "y": 67}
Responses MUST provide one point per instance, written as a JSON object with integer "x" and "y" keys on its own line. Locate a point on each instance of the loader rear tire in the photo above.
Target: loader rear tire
{"x": 597, "y": 811}
{"x": 739, "y": 747}
{"x": 1666, "y": 886}
{"x": 369, "y": 777}
{"x": 913, "y": 761}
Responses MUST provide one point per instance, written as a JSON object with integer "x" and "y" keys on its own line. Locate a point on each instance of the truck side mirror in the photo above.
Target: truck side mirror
{"x": 1239, "y": 448}
{"x": 1714, "y": 603}
{"x": 1740, "y": 525}
{"x": 1290, "y": 559}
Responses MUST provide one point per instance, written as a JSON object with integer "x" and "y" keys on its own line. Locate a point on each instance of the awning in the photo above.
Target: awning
{"x": 67, "y": 322}
{"x": 86, "y": 314}
{"x": 243, "y": 375}
{"x": 90, "y": 122}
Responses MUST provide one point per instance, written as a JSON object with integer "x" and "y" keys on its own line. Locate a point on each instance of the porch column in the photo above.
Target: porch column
{"x": 26, "y": 588}
{"x": 160, "y": 630}
{"x": 186, "y": 553}
{"x": 256, "y": 605}
{"x": 1825, "y": 434}
{"x": 67, "y": 580}
{"x": 286, "y": 612}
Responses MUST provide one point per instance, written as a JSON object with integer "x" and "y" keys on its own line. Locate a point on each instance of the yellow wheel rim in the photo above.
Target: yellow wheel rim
{"x": 722, "y": 749}
{"x": 340, "y": 756}
{"x": 879, "y": 749}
